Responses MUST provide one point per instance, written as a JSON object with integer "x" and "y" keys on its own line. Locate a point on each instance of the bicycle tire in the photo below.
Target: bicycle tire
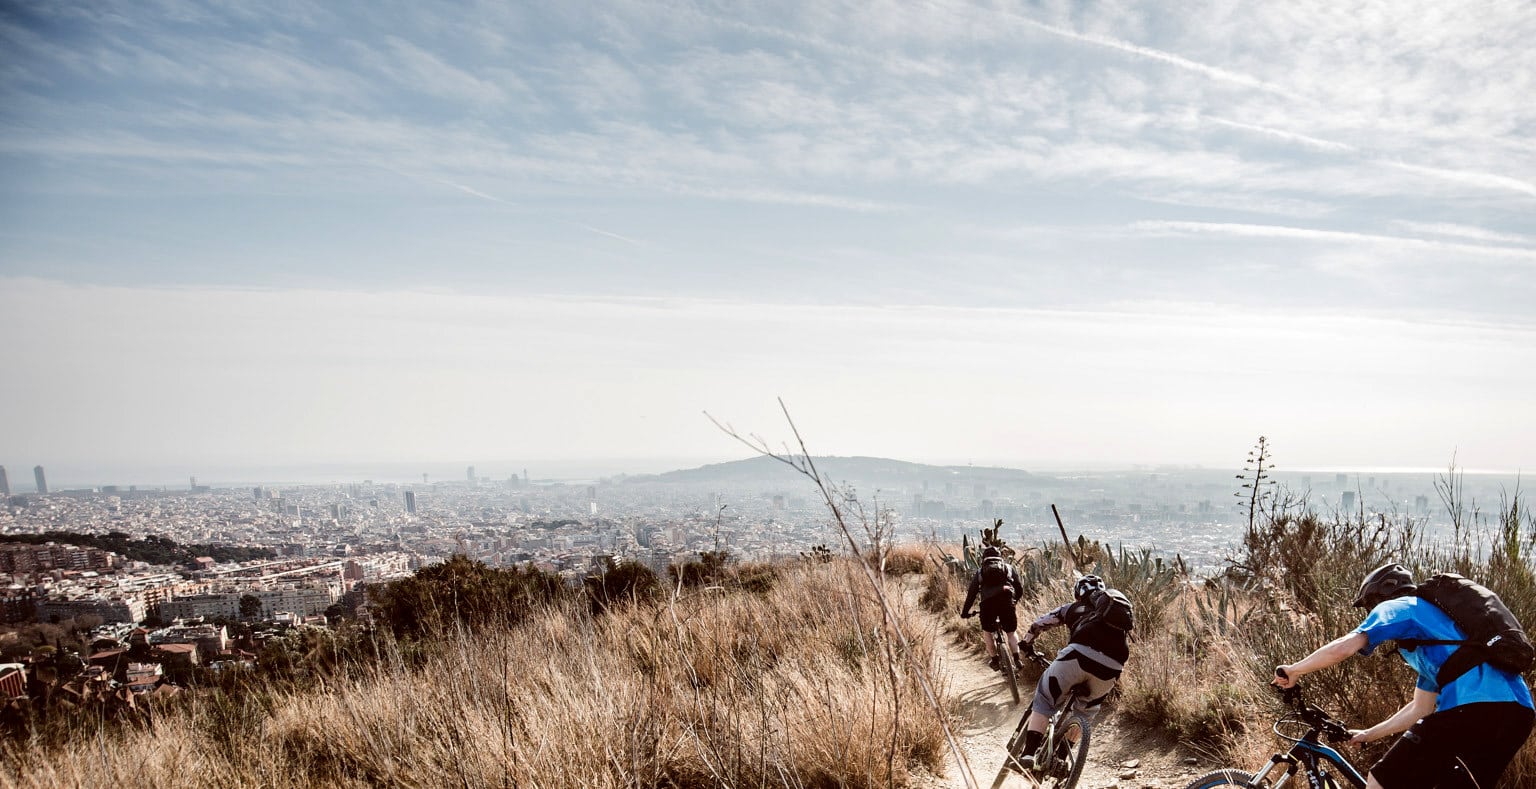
{"x": 1011, "y": 672}
{"x": 1077, "y": 757}
{"x": 1227, "y": 777}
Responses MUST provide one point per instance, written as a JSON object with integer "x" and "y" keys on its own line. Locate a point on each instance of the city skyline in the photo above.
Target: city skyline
{"x": 1043, "y": 235}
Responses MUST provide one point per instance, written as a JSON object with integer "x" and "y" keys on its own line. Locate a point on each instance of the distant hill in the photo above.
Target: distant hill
{"x": 865, "y": 470}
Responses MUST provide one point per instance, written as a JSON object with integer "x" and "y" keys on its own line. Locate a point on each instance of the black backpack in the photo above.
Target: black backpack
{"x": 994, "y": 574}
{"x": 1111, "y": 607}
{"x": 1494, "y": 636}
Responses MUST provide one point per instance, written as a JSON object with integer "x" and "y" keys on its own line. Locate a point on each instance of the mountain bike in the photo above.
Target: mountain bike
{"x": 1063, "y": 752}
{"x": 1319, "y": 765}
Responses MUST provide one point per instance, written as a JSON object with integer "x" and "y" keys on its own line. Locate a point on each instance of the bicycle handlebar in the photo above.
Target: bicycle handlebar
{"x": 1035, "y": 656}
{"x": 1316, "y": 717}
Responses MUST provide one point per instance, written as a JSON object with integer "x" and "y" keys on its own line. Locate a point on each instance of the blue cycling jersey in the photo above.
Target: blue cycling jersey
{"x": 1414, "y": 617}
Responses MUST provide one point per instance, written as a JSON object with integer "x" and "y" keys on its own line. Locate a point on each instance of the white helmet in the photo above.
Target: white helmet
{"x": 1087, "y": 585}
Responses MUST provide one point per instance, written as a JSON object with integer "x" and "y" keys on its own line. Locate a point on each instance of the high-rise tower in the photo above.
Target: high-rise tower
{"x": 42, "y": 480}
{"x": 5, "y": 483}
{"x": 410, "y": 501}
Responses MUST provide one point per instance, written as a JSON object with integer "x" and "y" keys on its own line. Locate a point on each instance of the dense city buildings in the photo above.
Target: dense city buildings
{"x": 327, "y": 539}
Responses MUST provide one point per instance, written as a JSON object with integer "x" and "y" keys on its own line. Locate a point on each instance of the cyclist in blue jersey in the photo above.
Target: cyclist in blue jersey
{"x": 1460, "y": 735}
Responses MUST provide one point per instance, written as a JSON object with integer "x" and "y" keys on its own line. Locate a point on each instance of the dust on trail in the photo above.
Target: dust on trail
{"x": 985, "y": 715}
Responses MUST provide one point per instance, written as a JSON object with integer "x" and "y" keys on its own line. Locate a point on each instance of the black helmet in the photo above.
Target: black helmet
{"x": 1087, "y": 585}
{"x": 1384, "y": 583}
{"x": 990, "y": 552}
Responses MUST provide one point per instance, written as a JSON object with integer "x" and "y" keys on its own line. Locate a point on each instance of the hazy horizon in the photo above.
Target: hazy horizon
{"x": 1080, "y": 233}
{"x": 77, "y": 476}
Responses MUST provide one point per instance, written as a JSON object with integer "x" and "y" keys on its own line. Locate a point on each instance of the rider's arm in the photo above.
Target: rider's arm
{"x": 1329, "y": 654}
{"x": 1047, "y": 621}
{"x": 970, "y": 595}
{"x": 1422, "y": 704}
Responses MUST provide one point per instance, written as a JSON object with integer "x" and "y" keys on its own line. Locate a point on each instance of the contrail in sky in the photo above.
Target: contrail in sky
{"x": 1160, "y": 56}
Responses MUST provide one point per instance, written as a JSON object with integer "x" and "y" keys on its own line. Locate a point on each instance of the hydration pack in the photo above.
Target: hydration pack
{"x": 1109, "y": 606}
{"x": 1494, "y": 636}
{"x": 994, "y": 575}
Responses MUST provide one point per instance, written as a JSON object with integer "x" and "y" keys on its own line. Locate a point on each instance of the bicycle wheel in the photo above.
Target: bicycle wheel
{"x": 1011, "y": 672}
{"x": 1073, "y": 733}
{"x": 1223, "y": 778}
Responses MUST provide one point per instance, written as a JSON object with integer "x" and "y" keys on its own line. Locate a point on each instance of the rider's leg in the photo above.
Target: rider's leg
{"x": 1013, "y": 644}
{"x": 1034, "y": 733}
{"x": 1371, "y": 782}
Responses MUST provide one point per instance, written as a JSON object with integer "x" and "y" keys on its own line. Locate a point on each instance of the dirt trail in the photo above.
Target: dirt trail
{"x": 1119, "y": 757}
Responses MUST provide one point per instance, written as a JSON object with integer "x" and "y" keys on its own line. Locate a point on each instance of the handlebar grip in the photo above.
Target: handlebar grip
{"x": 1280, "y": 672}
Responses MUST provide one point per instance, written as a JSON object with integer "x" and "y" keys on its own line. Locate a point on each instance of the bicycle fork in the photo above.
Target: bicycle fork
{"x": 1292, "y": 767}
{"x": 1285, "y": 762}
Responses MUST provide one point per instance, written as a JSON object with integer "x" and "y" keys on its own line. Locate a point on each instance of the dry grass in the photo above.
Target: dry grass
{"x": 907, "y": 558}
{"x": 792, "y": 687}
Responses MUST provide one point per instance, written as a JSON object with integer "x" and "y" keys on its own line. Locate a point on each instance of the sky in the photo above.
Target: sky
{"x": 1032, "y": 234}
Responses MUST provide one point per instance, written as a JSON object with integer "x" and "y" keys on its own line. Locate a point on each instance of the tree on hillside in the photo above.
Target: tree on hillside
{"x": 619, "y": 583}
{"x": 250, "y": 606}
{"x": 464, "y": 591}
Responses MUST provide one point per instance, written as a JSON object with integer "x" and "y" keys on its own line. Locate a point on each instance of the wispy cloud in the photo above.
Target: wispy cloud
{"x": 1478, "y": 179}
{"x": 1465, "y": 231}
{"x": 1297, "y": 138}
{"x": 1240, "y": 230}
{"x": 472, "y": 191}
{"x": 1160, "y": 56}
{"x": 609, "y": 234}
{"x": 425, "y": 72}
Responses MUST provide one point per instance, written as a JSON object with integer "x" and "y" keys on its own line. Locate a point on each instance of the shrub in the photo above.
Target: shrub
{"x": 906, "y": 559}
{"x": 462, "y": 591}
{"x": 621, "y": 583}
{"x": 709, "y": 569}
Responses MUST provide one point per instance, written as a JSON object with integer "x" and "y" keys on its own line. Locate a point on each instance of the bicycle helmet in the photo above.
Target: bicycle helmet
{"x": 991, "y": 552}
{"x": 1384, "y": 583}
{"x": 1087, "y": 585}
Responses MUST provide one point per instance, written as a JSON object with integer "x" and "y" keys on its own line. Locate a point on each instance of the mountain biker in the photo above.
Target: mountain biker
{"x": 998, "y": 584}
{"x": 1094, "y": 656}
{"x": 1477, "y": 722}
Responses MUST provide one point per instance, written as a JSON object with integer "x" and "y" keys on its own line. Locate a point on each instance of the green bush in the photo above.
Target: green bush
{"x": 464, "y": 592}
{"x": 621, "y": 583}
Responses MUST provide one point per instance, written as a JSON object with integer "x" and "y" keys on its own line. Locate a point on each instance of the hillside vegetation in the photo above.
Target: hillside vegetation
{"x": 765, "y": 675}
{"x": 755, "y": 676}
{"x": 152, "y": 549}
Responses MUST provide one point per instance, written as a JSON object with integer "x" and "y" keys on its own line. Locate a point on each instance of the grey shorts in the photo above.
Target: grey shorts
{"x": 1064, "y": 674}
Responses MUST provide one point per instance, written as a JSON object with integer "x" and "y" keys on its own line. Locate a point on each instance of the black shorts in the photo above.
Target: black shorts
{"x": 997, "y": 614}
{"x": 1476, "y": 739}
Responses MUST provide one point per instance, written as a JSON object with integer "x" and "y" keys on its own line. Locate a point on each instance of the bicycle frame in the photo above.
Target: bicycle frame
{"x": 1309, "y": 755}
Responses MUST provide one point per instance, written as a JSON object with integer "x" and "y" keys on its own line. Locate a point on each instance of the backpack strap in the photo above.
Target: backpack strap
{"x": 1468, "y": 655}
{"x": 1411, "y": 644}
